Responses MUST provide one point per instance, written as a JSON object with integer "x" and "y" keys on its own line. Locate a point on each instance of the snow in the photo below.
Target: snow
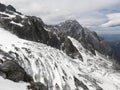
{"x": 7, "y": 38}
{"x": 10, "y": 85}
{"x": 13, "y": 15}
{"x": 18, "y": 24}
{"x": 9, "y": 15}
{"x": 47, "y": 29}
{"x": 56, "y": 70}
{"x": 108, "y": 79}
{"x": 22, "y": 16}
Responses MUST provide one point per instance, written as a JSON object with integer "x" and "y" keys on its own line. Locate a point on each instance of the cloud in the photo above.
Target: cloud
{"x": 55, "y": 11}
{"x": 114, "y": 20}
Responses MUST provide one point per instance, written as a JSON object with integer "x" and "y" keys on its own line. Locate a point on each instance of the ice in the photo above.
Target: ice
{"x": 9, "y": 15}
{"x": 58, "y": 71}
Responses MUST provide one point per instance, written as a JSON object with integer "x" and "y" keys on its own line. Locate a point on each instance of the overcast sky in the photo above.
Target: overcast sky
{"x": 103, "y": 13}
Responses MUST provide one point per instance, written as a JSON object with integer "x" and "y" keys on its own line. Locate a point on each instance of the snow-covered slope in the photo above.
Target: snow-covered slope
{"x": 58, "y": 71}
{"x": 10, "y": 85}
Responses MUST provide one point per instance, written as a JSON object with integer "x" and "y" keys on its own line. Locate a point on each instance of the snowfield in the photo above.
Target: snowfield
{"x": 10, "y": 85}
{"x": 55, "y": 69}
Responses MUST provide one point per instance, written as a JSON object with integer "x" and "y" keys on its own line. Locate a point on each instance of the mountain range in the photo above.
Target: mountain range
{"x": 66, "y": 56}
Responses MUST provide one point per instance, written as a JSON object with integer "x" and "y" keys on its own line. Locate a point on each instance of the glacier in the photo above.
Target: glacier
{"x": 58, "y": 71}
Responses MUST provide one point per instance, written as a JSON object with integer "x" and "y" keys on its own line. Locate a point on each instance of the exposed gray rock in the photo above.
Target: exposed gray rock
{"x": 37, "y": 86}
{"x": 2, "y": 74}
{"x": 71, "y": 50}
{"x": 11, "y": 70}
{"x": 80, "y": 84}
{"x": 10, "y": 7}
{"x": 2, "y": 7}
{"x": 89, "y": 39}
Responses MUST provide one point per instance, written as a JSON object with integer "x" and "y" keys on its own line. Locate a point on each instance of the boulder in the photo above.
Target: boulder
{"x": 37, "y": 86}
{"x": 14, "y": 71}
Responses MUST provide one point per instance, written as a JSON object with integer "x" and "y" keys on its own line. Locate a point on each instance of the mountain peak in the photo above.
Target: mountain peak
{"x": 70, "y": 23}
{"x": 10, "y": 7}
{"x": 3, "y": 8}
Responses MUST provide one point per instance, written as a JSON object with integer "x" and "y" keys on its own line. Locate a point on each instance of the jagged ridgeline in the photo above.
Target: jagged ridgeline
{"x": 54, "y": 57}
{"x": 33, "y": 28}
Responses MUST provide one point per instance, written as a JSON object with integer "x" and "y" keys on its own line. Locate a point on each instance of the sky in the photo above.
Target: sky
{"x": 89, "y": 13}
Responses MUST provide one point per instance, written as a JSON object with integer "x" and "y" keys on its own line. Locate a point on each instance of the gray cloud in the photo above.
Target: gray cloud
{"x": 55, "y": 11}
{"x": 114, "y": 20}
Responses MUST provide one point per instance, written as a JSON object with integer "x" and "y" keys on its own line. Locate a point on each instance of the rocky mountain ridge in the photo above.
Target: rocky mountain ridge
{"x": 33, "y": 28}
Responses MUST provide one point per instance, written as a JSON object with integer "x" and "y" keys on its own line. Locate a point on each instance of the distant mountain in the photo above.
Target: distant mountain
{"x": 54, "y": 57}
{"x": 116, "y": 47}
{"x": 111, "y": 37}
{"x": 114, "y": 42}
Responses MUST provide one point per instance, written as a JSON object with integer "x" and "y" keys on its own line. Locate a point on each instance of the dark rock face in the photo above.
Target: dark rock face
{"x": 97, "y": 43}
{"x": 80, "y": 83}
{"x": 11, "y": 70}
{"x": 4, "y": 8}
{"x": 2, "y": 74}
{"x": 37, "y": 86}
{"x": 89, "y": 39}
{"x": 10, "y": 7}
{"x": 71, "y": 50}
{"x": 70, "y": 27}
